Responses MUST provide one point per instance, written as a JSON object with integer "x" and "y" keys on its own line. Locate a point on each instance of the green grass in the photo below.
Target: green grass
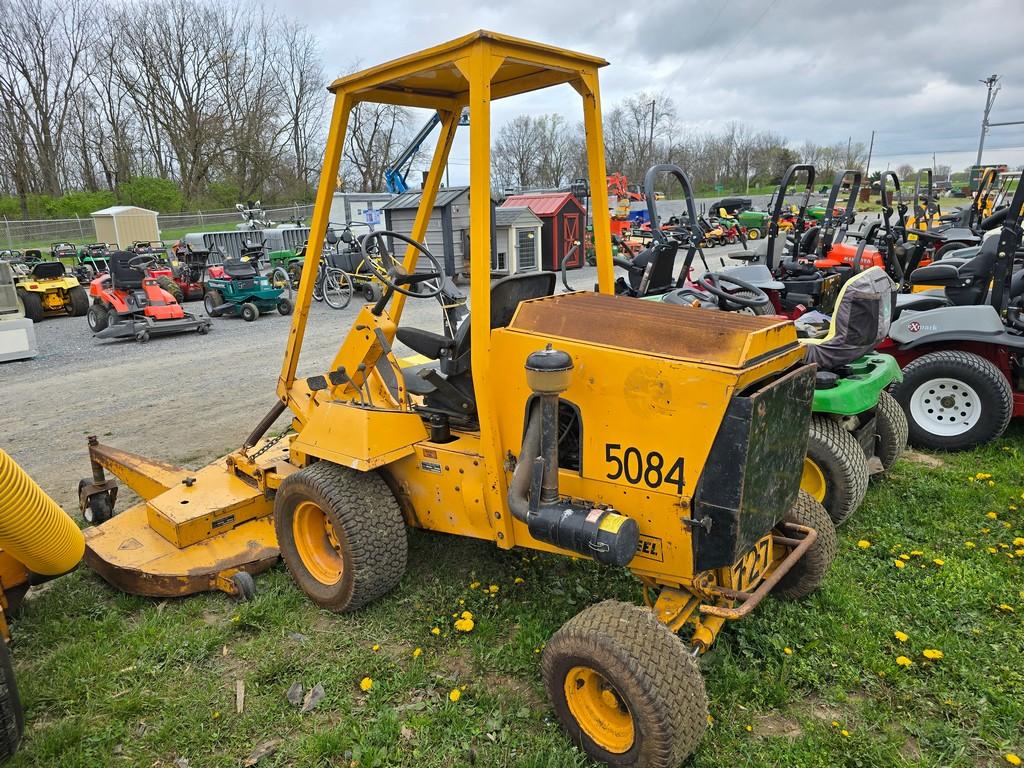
{"x": 110, "y": 680}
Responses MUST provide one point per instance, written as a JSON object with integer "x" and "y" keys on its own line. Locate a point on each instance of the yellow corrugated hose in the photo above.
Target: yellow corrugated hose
{"x": 34, "y": 530}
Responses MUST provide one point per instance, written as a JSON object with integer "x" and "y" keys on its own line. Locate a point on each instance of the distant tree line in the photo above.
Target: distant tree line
{"x": 158, "y": 102}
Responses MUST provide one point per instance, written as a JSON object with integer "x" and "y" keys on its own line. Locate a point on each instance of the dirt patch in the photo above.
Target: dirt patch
{"x": 820, "y": 710}
{"x": 520, "y": 688}
{"x": 911, "y": 750}
{"x": 776, "y": 724}
{"x": 923, "y": 459}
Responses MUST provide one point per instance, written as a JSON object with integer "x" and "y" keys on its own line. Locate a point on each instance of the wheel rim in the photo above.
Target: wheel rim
{"x": 753, "y": 234}
{"x": 812, "y": 480}
{"x": 317, "y": 543}
{"x": 944, "y": 406}
{"x": 599, "y": 709}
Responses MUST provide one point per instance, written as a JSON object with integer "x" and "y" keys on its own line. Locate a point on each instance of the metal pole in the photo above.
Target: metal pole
{"x": 650, "y": 138}
{"x": 7, "y": 226}
{"x": 990, "y": 98}
{"x": 871, "y": 148}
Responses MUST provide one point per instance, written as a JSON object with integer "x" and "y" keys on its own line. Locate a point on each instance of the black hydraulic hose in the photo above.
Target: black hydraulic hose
{"x": 264, "y": 425}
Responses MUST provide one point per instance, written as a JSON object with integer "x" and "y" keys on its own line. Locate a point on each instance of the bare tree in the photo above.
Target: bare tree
{"x": 301, "y": 81}
{"x": 376, "y": 133}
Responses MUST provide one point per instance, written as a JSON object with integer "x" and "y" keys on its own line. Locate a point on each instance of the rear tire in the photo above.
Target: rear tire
{"x": 33, "y": 304}
{"x": 947, "y": 249}
{"x": 79, "y": 301}
{"x": 808, "y": 572}
{"x": 625, "y": 688}
{"x": 211, "y": 301}
{"x": 838, "y": 474}
{"x": 764, "y": 309}
{"x": 98, "y": 317}
{"x": 341, "y": 534}
{"x": 892, "y": 429}
{"x": 171, "y": 287}
{"x": 753, "y": 233}
{"x": 979, "y": 390}
{"x": 12, "y": 717}
{"x": 284, "y": 306}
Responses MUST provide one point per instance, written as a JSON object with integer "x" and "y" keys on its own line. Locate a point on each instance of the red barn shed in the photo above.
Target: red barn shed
{"x": 563, "y": 224}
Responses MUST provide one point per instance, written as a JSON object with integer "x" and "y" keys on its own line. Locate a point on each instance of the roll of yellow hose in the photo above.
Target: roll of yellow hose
{"x": 34, "y": 530}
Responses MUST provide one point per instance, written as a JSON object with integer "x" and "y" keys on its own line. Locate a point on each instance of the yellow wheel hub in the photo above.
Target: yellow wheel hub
{"x": 317, "y": 543}
{"x": 599, "y": 709}
{"x": 812, "y": 480}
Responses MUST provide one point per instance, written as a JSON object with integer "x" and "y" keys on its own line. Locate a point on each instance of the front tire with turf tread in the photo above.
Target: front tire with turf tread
{"x": 98, "y": 317}
{"x": 808, "y": 572}
{"x": 994, "y": 392}
{"x": 368, "y": 523}
{"x": 841, "y": 460}
{"x": 892, "y": 430}
{"x": 656, "y": 678}
{"x": 213, "y": 302}
{"x": 12, "y": 717}
{"x": 249, "y": 312}
{"x": 79, "y": 301}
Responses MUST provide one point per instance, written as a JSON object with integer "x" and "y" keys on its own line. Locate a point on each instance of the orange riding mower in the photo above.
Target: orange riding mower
{"x": 129, "y": 303}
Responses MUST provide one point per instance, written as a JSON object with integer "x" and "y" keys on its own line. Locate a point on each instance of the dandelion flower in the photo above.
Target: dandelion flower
{"x": 454, "y": 695}
{"x": 1007, "y": 524}
{"x": 474, "y": 585}
{"x": 493, "y": 589}
{"x": 939, "y": 561}
{"x": 1012, "y": 759}
{"x": 749, "y": 728}
{"x": 835, "y": 723}
{"x": 903, "y": 661}
{"x": 992, "y": 550}
{"x": 788, "y": 651}
{"x": 932, "y": 653}
{"x": 845, "y": 733}
{"x": 464, "y": 625}
{"x": 904, "y": 556}
{"x": 992, "y": 515}
{"x": 916, "y": 553}
{"x": 366, "y": 684}
{"x": 467, "y": 615}
{"x": 1005, "y": 608}
{"x": 863, "y": 543}
{"x": 991, "y": 483}
{"x": 985, "y": 530}
{"x": 519, "y": 580}
{"x": 711, "y": 720}
{"x": 901, "y": 636}
{"x": 417, "y": 653}
{"x": 435, "y": 631}
{"x": 376, "y": 647}
{"x": 969, "y": 544}
{"x": 216, "y": 715}
{"x": 899, "y": 563}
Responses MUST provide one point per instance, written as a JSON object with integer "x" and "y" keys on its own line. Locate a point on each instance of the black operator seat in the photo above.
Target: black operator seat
{"x": 446, "y": 382}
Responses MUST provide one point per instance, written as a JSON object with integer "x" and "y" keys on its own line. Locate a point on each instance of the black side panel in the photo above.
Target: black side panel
{"x": 753, "y": 472}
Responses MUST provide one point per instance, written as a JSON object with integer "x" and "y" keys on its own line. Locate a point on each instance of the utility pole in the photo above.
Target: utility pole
{"x": 871, "y": 147}
{"x": 993, "y": 90}
{"x": 849, "y": 145}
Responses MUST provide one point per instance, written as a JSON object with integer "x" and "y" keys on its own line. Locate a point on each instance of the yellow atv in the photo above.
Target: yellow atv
{"x": 46, "y": 289}
{"x": 570, "y": 424}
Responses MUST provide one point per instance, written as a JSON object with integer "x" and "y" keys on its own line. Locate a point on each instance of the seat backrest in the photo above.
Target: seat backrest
{"x": 860, "y": 320}
{"x": 239, "y": 269}
{"x": 978, "y": 272}
{"x": 506, "y": 295}
{"x": 121, "y": 275}
{"x": 661, "y": 254}
{"x": 48, "y": 270}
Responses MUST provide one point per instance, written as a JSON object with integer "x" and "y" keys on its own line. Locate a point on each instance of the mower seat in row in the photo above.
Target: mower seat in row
{"x": 661, "y": 257}
{"x": 860, "y": 321}
{"x": 48, "y": 270}
{"x": 123, "y": 277}
{"x": 446, "y": 383}
{"x": 238, "y": 269}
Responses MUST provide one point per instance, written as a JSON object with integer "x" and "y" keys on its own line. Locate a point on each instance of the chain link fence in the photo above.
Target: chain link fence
{"x": 21, "y": 234}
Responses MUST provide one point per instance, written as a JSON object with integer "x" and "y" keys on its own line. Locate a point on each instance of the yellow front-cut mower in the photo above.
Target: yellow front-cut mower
{"x": 584, "y": 424}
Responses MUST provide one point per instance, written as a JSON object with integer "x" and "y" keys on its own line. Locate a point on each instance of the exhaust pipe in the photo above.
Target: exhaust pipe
{"x": 533, "y": 496}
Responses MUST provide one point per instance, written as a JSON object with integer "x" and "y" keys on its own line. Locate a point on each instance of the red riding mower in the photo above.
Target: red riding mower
{"x": 129, "y": 303}
{"x": 182, "y": 281}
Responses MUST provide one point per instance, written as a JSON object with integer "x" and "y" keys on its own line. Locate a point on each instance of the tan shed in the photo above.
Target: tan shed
{"x": 124, "y": 224}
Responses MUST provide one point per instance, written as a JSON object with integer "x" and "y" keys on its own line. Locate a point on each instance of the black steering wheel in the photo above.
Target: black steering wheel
{"x": 391, "y": 271}
{"x": 714, "y": 283}
{"x": 142, "y": 262}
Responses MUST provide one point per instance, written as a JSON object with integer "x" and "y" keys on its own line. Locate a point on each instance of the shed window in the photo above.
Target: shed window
{"x": 526, "y": 248}
{"x": 499, "y": 262}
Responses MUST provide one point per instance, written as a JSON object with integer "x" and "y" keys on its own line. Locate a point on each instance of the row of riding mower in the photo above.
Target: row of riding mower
{"x": 47, "y": 290}
{"x": 236, "y": 287}
{"x": 545, "y": 422}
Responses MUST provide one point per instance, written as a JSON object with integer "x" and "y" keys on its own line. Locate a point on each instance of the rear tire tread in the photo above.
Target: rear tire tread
{"x": 840, "y": 457}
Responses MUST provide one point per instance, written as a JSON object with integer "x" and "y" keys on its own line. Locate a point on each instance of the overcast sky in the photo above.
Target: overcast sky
{"x": 807, "y": 69}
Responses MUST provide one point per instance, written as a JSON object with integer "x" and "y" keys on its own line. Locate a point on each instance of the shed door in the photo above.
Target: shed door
{"x": 570, "y": 234}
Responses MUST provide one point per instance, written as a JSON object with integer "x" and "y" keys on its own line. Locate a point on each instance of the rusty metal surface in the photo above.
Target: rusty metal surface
{"x": 749, "y": 601}
{"x": 133, "y": 557}
{"x": 698, "y": 335}
{"x": 147, "y": 477}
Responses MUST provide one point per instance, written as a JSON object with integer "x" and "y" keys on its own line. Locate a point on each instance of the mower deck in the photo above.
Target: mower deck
{"x": 132, "y": 327}
{"x": 193, "y": 532}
